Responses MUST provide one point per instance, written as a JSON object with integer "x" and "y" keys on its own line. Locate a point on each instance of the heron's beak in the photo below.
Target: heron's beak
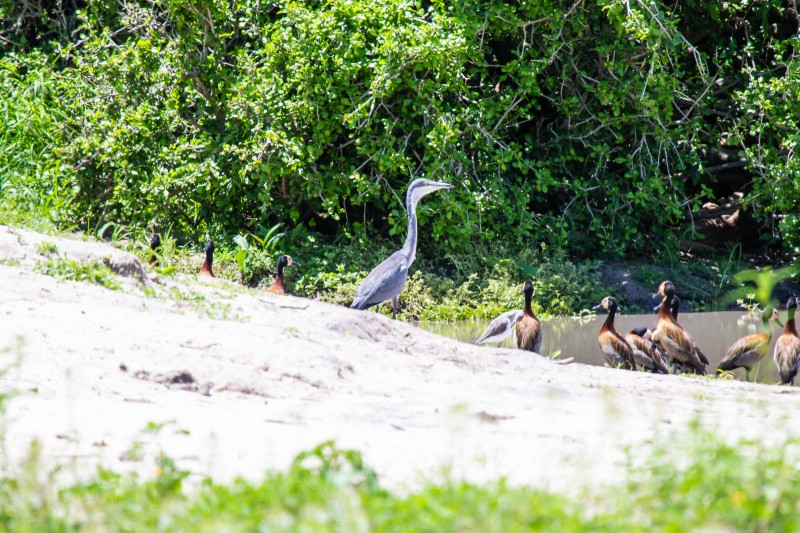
{"x": 442, "y": 185}
{"x": 778, "y": 321}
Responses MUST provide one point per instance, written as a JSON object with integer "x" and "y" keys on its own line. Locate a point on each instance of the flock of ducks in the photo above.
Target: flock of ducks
{"x": 207, "y": 270}
{"x": 668, "y": 348}
{"x": 665, "y": 349}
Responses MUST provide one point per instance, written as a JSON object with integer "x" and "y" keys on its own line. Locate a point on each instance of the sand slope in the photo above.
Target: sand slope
{"x": 271, "y": 376}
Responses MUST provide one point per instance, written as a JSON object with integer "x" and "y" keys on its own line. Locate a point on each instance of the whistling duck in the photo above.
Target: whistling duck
{"x": 501, "y": 327}
{"x": 386, "y": 281}
{"x": 787, "y": 347}
{"x": 748, "y": 351}
{"x": 278, "y": 286}
{"x": 647, "y": 354}
{"x": 206, "y": 271}
{"x": 674, "y": 307}
{"x": 528, "y": 330}
{"x": 678, "y": 344}
{"x": 155, "y": 247}
{"x": 616, "y": 350}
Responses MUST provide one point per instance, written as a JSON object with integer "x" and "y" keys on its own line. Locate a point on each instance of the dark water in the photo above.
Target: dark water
{"x": 577, "y": 337}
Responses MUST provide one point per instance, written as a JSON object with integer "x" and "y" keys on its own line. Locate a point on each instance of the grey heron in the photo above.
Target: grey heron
{"x": 387, "y": 280}
{"x": 501, "y": 327}
{"x": 278, "y": 286}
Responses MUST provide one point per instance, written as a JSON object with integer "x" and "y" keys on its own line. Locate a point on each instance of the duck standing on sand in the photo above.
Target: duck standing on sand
{"x": 616, "y": 350}
{"x": 748, "y": 351}
{"x": 787, "y": 347}
{"x": 678, "y": 344}
{"x": 528, "y": 330}
{"x": 647, "y": 354}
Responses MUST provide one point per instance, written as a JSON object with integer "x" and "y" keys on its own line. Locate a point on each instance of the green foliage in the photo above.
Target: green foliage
{"x": 757, "y": 284}
{"x": 587, "y": 128}
{"x": 702, "y": 483}
{"x": 47, "y": 248}
{"x": 745, "y": 486}
{"x": 69, "y": 269}
{"x": 449, "y": 288}
{"x": 253, "y": 261}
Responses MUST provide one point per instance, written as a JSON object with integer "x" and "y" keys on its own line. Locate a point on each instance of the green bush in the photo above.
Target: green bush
{"x": 587, "y": 127}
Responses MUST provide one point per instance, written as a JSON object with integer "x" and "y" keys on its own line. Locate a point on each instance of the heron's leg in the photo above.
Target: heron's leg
{"x": 394, "y": 308}
{"x": 747, "y": 374}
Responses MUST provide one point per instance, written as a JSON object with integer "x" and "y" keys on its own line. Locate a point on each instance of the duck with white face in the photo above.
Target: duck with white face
{"x": 679, "y": 345}
{"x": 279, "y": 285}
{"x": 616, "y": 350}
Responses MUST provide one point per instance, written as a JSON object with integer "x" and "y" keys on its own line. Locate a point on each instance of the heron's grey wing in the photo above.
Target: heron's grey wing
{"x": 500, "y": 327}
{"x": 384, "y": 282}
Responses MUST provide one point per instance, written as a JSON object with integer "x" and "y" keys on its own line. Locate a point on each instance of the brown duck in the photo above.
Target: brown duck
{"x": 616, "y": 350}
{"x": 529, "y": 329}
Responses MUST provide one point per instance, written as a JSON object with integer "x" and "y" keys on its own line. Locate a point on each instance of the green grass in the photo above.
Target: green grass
{"x": 697, "y": 482}
{"x": 69, "y": 269}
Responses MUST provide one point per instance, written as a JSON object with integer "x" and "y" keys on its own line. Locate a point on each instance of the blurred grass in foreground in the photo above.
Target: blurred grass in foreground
{"x": 703, "y": 483}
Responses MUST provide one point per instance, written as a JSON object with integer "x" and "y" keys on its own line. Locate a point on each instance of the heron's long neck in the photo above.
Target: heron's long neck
{"x": 410, "y": 246}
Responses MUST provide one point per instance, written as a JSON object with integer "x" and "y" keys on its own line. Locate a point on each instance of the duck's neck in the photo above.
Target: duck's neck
{"x": 664, "y": 311}
{"x": 281, "y": 266}
{"x": 790, "y": 327}
{"x": 410, "y": 246}
{"x": 609, "y": 323}
{"x": 209, "y": 261}
{"x": 527, "y": 309}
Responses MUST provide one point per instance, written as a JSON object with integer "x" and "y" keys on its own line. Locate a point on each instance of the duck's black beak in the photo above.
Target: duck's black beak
{"x": 657, "y": 308}
{"x": 598, "y": 306}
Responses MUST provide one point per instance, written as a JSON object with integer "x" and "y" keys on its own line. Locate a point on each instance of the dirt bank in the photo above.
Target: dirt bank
{"x": 245, "y": 380}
